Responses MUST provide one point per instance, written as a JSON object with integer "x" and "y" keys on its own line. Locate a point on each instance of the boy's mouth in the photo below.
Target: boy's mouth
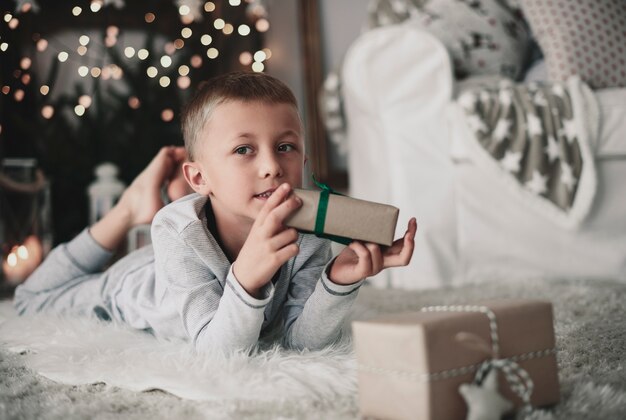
{"x": 265, "y": 194}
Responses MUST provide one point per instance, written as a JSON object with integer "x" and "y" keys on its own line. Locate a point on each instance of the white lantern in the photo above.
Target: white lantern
{"x": 104, "y": 191}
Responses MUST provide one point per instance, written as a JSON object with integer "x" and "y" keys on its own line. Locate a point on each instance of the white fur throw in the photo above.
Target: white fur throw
{"x": 84, "y": 351}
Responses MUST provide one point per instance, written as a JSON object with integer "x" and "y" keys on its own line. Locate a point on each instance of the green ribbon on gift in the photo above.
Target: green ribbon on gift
{"x": 322, "y": 209}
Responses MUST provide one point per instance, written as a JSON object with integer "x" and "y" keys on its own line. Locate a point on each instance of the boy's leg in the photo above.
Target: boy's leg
{"x": 142, "y": 199}
{"x": 68, "y": 275}
{"x": 60, "y": 283}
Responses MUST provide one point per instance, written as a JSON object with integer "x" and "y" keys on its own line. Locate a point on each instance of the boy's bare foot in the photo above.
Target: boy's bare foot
{"x": 142, "y": 199}
{"x": 178, "y": 186}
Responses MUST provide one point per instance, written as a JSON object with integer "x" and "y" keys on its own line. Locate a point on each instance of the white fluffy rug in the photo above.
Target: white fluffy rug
{"x": 81, "y": 351}
{"x": 79, "y": 356}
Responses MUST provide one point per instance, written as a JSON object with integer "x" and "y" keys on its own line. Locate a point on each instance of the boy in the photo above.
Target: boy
{"x": 223, "y": 271}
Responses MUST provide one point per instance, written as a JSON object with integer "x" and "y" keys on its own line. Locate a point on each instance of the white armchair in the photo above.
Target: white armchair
{"x": 402, "y": 122}
{"x": 397, "y": 84}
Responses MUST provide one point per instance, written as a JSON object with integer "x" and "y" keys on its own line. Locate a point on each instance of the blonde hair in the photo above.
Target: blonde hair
{"x": 240, "y": 86}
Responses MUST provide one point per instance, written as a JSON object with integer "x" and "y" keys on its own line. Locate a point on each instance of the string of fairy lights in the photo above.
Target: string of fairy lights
{"x": 189, "y": 11}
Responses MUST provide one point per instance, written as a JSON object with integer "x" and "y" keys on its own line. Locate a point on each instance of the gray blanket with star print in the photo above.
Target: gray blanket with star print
{"x": 540, "y": 138}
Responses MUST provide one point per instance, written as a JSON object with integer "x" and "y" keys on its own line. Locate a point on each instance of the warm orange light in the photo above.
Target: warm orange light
{"x": 262, "y": 25}
{"x": 47, "y": 111}
{"x": 42, "y": 44}
{"x": 25, "y": 63}
{"x": 196, "y": 61}
{"x": 22, "y": 260}
{"x": 183, "y": 82}
{"x": 133, "y": 102}
{"x": 167, "y": 115}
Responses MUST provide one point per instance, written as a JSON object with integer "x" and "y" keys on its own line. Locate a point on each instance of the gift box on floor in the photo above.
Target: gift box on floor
{"x": 411, "y": 365}
{"x": 344, "y": 218}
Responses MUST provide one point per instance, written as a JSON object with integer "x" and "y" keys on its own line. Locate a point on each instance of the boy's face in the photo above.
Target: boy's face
{"x": 244, "y": 152}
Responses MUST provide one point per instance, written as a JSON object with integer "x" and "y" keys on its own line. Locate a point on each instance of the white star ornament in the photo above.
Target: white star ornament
{"x": 484, "y": 402}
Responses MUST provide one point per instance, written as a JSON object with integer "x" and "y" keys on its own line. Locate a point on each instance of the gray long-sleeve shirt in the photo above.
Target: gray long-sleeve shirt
{"x": 183, "y": 287}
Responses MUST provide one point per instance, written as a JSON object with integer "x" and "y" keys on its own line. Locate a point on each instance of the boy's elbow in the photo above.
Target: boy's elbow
{"x": 304, "y": 345}
{"x": 226, "y": 347}
{"x": 27, "y": 300}
{"x": 310, "y": 343}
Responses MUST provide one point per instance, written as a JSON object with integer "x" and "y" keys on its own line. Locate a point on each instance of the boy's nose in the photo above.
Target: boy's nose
{"x": 270, "y": 167}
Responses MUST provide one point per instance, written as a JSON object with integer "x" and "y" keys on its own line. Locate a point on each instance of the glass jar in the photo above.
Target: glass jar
{"x": 25, "y": 220}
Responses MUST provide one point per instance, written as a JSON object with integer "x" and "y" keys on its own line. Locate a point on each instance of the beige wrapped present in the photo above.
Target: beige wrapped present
{"x": 411, "y": 365}
{"x": 345, "y": 217}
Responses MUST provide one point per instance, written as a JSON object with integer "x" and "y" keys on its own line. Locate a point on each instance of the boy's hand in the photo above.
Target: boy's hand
{"x": 270, "y": 244}
{"x": 360, "y": 260}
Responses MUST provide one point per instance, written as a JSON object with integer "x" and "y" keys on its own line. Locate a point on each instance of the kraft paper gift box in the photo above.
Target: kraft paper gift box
{"x": 345, "y": 217}
{"x": 410, "y": 365}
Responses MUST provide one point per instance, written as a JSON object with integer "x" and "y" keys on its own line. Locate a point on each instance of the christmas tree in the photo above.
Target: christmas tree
{"x": 84, "y": 82}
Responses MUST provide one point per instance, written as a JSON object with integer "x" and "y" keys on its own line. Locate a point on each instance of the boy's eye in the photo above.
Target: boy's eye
{"x": 243, "y": 150}
{"x": 286, "y": 147}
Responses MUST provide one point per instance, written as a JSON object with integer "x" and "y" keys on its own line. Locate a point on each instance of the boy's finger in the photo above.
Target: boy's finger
{"x": 284, "y": 254}
{"x": 403, "y": 257}
{"x": 398, "y": 244}
{"x": 284, "y": 238}
{"x": 412, "y": 228}
{"x": 278, "y": 214}
{"x": 277, "y": 197}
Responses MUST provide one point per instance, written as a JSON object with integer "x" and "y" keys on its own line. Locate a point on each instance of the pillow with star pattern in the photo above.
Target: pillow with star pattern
{"x": 533, "y": 134}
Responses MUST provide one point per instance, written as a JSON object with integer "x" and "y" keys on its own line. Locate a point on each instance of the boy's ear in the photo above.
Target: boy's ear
{"x": 195, "y": 178}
